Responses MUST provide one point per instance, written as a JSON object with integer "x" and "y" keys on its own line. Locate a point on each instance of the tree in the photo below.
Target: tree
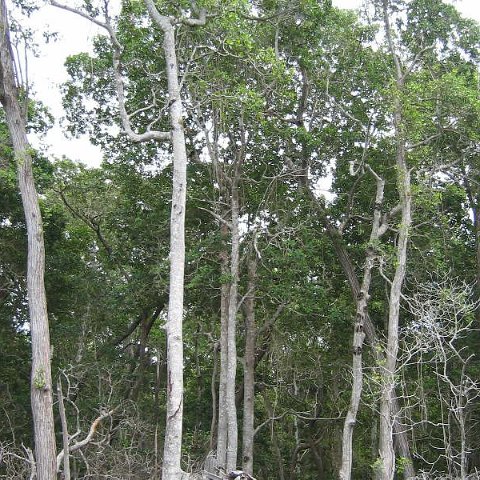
{"x": 281, "y": 283}
{"x": 173, "y": 435}
{"x": 41, "y": 376}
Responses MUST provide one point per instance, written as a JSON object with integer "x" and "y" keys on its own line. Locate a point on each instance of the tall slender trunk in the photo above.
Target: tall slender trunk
{"x": 232, "y": 427}
{"x": 401, "y": 440}
{"x": 386, "y": 449}
{"x": 249, "y": 370}
{"x": 359, "y": 336}
{"x": 173, "y": 433}
{"x": 213, "y": 390}
{"x": 222, "y": 384}
{"x": 386, "y": 470}
{"x": 41, "y": 376}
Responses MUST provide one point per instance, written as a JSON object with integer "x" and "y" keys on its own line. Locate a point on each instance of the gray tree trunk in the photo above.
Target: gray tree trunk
{"x": 401, "y": 440}
{"x": 172, "y": 452}
{"x": 222, "y": 384}
{"x": 249, "y": 370}
{"x": 386, "y": 467}
{"x": 232, "y": 426}
{"x": 359, "y": 337}
{"x": 41, "y": 377}
{"x": 173, "y": 434}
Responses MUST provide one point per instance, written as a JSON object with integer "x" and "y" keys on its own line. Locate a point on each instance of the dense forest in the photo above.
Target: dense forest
{"x": 275, "y": 271}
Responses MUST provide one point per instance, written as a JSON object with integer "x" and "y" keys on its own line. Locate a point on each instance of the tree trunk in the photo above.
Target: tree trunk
{"x": 173, "y": 433}
{"x": 41, "y": 377}
{"x": 213, "y": 390}
{"x": 232, "y": 427}
{"x": 401, "y": 440}
{"x": 222, "y": 384}
{"x": 249, "y": 370}
{"x": 358, "y": 338}
{"x": 386, "y": 468}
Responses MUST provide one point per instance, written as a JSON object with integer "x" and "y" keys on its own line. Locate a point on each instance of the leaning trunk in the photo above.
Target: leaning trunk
{"x": 41, "y": 377}
{"x": 359, "y": 337}
{"x": 401, "y": 439}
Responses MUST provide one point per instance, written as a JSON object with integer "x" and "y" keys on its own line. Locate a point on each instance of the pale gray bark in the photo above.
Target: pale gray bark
{"x": 222, "y": 384}
{"x": 227, "y": 431}
{"x": 359, "y": 336}
{"x": 386, "y": 467}
{"x": 249, "y": 370}
{"x": 221, "y": 214}
{"x": 232, "y": 427}
{"x": 173, "y": 433}
{"x": 41, "y": 377}
{"x": 386, "y": 447}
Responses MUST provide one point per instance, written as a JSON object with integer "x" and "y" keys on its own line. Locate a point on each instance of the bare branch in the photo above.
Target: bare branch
{"x": 217, "y": 217}
{"x": 93, "y": 428}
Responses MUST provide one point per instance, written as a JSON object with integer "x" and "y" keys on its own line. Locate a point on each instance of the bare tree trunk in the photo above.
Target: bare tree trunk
{"x": 359, "y": 336}
{"x": 213, "y": 390}
{"x": 232, "y": 427}
{"x": 173, "y": 433}
{"x": 157, "y": 411}
{"x": 222, "y": 384}
{"x": 249, "y": 370}
{"x": 41, "y": 377}
{"x": 386, "y": 468}
{"x": 401, "y": 440}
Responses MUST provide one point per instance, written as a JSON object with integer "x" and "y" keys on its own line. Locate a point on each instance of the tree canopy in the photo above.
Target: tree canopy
{"x": 328, "y": 319}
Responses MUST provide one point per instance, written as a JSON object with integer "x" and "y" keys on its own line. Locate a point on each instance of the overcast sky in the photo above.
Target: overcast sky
{"x": 75, "y": 35}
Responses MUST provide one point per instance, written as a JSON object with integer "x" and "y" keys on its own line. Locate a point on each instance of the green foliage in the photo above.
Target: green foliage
{"x": 301, "y": 84}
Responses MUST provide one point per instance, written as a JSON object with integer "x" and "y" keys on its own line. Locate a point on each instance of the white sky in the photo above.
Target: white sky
{"x": 75, "y": 35}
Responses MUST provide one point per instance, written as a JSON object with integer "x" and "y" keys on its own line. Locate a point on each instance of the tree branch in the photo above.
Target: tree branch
{"x": 93, "y": 428}
{"x": 160, "y": 136}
